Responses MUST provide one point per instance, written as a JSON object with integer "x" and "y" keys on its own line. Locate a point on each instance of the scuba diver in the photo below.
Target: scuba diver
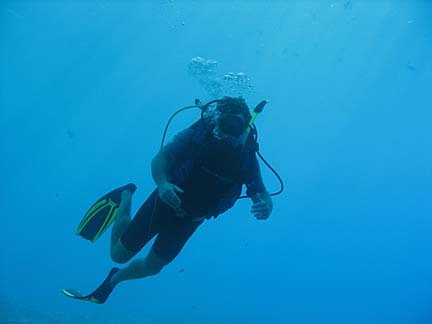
{"x": 199, "y": 175}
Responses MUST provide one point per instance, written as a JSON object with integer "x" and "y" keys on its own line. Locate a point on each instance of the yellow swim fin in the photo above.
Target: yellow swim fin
{"x": 102, "y": 214}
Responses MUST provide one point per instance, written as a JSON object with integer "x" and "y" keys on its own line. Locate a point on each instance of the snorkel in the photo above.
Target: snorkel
{"x": 258, "y": 109}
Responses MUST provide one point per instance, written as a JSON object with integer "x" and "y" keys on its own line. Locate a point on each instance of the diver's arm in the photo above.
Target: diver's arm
{"x": 264, "y": 195}
{"x": 172, "y": 153}
{"x": 160, "y": 165}
{"x": 262, "y": 202}
{"x": 262, "y": 205}
{"x": 170, "y": 156}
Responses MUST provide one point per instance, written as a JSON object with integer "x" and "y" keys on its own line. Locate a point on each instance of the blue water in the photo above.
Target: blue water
{"x": 86, "y": 88}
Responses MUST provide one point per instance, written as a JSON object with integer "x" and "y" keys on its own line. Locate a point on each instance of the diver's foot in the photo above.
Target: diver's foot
{"x": 101, "y": 294}
{"x": 126, "y": 196}
{"x": 125, "y": 203}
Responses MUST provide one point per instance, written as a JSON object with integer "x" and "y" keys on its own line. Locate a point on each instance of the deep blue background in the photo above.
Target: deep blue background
{"x": 86, "y": 88}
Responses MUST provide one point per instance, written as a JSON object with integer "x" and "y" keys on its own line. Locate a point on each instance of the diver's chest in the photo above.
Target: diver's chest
{"x": 220, "y": 161}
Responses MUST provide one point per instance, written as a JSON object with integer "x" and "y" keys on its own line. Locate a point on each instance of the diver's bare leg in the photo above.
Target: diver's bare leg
{"x": 118, "y": 252}
{"x": 140, "y": 268}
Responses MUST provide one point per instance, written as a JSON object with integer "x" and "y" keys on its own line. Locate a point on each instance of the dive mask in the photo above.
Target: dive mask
{"x": 232, "y": 124}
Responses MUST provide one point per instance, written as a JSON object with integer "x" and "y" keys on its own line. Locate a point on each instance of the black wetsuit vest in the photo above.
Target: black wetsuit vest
{"x": 212, "y": 179}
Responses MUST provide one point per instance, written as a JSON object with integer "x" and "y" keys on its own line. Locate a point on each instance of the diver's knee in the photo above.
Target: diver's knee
{"x": 121, "y": 259}
{"x": 119, "y": 254}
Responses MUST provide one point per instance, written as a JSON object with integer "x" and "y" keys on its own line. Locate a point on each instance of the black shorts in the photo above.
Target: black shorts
{"x": 156, "y": 218}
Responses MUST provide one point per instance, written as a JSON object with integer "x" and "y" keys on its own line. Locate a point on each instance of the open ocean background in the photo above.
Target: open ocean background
{"x": 86, "y": 88}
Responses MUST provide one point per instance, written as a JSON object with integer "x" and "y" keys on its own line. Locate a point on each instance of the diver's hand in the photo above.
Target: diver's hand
{"x": 168, "y": 194}
{"x": 262, "y": 207}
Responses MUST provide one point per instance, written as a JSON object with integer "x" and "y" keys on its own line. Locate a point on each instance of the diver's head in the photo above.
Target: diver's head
{"x": 234, "y": 116}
